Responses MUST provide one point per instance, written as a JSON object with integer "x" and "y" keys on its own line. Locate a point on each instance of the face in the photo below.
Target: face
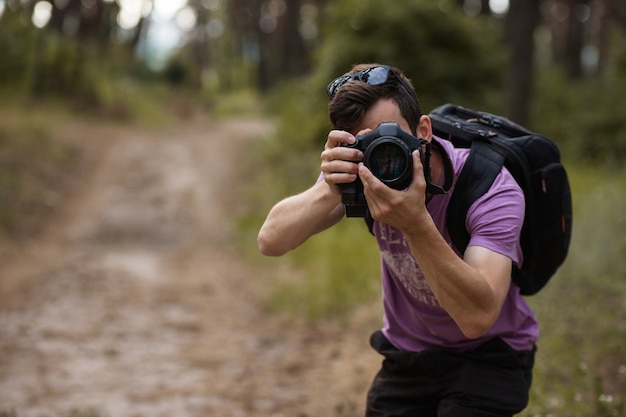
{"x": 386, "y": 110}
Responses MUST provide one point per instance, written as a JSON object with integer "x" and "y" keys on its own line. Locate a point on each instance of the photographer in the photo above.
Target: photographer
{"x": 458, "y": 338}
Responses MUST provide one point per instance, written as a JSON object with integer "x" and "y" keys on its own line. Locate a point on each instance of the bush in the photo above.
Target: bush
{"x": 584, "y": 117}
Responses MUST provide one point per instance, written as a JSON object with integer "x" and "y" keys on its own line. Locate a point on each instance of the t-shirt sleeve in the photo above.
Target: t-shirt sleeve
{"x": 495, "y": 220}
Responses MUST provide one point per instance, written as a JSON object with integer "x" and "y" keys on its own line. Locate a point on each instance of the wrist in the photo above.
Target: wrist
{"x": 329, "y": 194}
{"x": 420, "y": 229}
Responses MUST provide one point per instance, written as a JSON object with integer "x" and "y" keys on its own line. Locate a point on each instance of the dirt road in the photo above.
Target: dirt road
{"x": 134, "y": 302}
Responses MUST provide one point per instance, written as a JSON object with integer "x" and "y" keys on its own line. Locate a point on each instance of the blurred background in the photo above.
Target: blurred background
{"x": 555, "y": 66}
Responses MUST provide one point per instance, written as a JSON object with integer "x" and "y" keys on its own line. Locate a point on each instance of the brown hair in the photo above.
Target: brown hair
{"x": 355, "y": 98}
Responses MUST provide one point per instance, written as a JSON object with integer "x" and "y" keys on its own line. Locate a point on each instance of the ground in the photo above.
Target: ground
{"x": 133, "y": 300}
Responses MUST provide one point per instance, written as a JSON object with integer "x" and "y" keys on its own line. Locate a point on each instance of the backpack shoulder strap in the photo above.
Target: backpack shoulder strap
{"x": 481, "y": 168}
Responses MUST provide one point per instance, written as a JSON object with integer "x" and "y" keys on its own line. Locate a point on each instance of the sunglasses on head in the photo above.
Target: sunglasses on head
{"x": 373, "y": 76}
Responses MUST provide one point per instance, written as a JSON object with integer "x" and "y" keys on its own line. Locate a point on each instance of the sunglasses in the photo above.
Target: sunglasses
{"x": 372, "y": 76}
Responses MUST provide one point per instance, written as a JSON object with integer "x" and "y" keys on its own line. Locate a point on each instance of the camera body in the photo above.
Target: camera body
{"x": 387, "y": 154}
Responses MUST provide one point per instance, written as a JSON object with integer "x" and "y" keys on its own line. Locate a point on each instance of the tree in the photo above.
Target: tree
{"x": 268, "y": 31}
{"x": 521, "y": 21}
{"x": 565, "y": 19}
{"x": 294, "y": 53}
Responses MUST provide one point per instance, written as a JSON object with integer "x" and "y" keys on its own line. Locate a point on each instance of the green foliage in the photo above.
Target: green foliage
{"x": 234, "y": 104}
{"x": 64, "y": 68}
{"x": 15, "y": 38}
{"x": 585, "y": 117}
{"x": 292, "y": 156}
{"x": 41, "y": 65}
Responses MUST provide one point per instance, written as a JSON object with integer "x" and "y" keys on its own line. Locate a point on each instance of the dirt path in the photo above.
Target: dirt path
{"x": 134, "y": 303}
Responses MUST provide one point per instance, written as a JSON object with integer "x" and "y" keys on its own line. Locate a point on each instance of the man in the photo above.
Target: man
{"x": 458, "y": 338}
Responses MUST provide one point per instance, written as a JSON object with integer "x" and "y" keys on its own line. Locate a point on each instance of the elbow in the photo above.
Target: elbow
{"x": 268, "y": 247}
{"x": 474, "y": 331}
{"x": 477, "y": 326}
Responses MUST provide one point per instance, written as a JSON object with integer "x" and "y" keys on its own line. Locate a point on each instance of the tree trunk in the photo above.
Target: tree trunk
{"x": 521, "y": 21}
{"x": 264, "y": 81}
{"x": 200, "y": 47}
{"x": 605, "y": 11}
{"x": 485, "y": 8}
{"x": 293, "y": 54}
{"x": 575, "y": 39}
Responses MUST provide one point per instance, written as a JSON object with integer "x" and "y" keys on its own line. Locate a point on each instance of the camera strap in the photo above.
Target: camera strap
{"x": 448, "y": 171}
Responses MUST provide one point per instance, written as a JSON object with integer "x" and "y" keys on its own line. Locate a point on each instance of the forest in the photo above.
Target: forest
{"x": 557, "y": 67}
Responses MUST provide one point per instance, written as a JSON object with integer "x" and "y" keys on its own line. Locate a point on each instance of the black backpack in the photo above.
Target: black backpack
{"x": 535, "y": 163}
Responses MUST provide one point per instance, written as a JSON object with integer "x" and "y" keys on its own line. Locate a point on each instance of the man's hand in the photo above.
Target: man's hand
{"x": 401, "y": 209}
{"x": 340, "y": 164}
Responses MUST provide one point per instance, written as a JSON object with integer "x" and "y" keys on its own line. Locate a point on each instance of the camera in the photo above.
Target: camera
{"x": 387, "y": 154}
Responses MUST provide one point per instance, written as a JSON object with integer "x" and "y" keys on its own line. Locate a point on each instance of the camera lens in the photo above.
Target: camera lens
{"x": 388, "y": 160}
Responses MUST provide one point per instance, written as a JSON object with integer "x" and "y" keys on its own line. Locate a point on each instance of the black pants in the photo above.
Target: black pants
{"x": 493, "y": 380}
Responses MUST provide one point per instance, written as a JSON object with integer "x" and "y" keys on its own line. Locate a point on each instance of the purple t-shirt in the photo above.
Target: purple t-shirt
{"x": 414, "y": 319}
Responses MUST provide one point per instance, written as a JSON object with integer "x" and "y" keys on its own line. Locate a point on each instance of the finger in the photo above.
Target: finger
{"x": 339, "y": 166}
{"x": 341, "y": 160}
{"x": 364, "y": 132}
{"x": 418, "y": 170}
{"x": 339, "y": 137}
{"x": 417, "y": 188}
{"x": 371, "y": 184}
{"x": 376, "y": 193}
{"x": 339, "y": 178}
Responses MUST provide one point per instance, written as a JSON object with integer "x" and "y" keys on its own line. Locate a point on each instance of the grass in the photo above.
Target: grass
{"x": 581, "y": 363}
{"x": 35, "y": 168}
{"x": 340, "y": 268}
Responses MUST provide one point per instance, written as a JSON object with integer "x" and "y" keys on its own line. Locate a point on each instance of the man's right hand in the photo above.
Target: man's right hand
{"x": 339, "y": 163}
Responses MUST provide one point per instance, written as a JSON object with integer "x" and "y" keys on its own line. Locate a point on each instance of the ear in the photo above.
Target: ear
{"x": 424, "y": 129}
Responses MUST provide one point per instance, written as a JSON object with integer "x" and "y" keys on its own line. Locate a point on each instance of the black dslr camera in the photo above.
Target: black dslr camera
{"x": 387, "y": 153}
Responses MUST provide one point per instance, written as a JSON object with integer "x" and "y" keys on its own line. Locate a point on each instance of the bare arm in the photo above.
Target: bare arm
{"x": 293, "y": 220}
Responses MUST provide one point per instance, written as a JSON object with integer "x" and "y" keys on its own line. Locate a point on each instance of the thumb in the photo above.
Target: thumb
{"x": 419, "y": 181}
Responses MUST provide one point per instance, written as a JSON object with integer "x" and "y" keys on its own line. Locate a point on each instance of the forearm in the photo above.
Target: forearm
{"x": 293, "y": 220}
{"x": 460, "y": 287}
